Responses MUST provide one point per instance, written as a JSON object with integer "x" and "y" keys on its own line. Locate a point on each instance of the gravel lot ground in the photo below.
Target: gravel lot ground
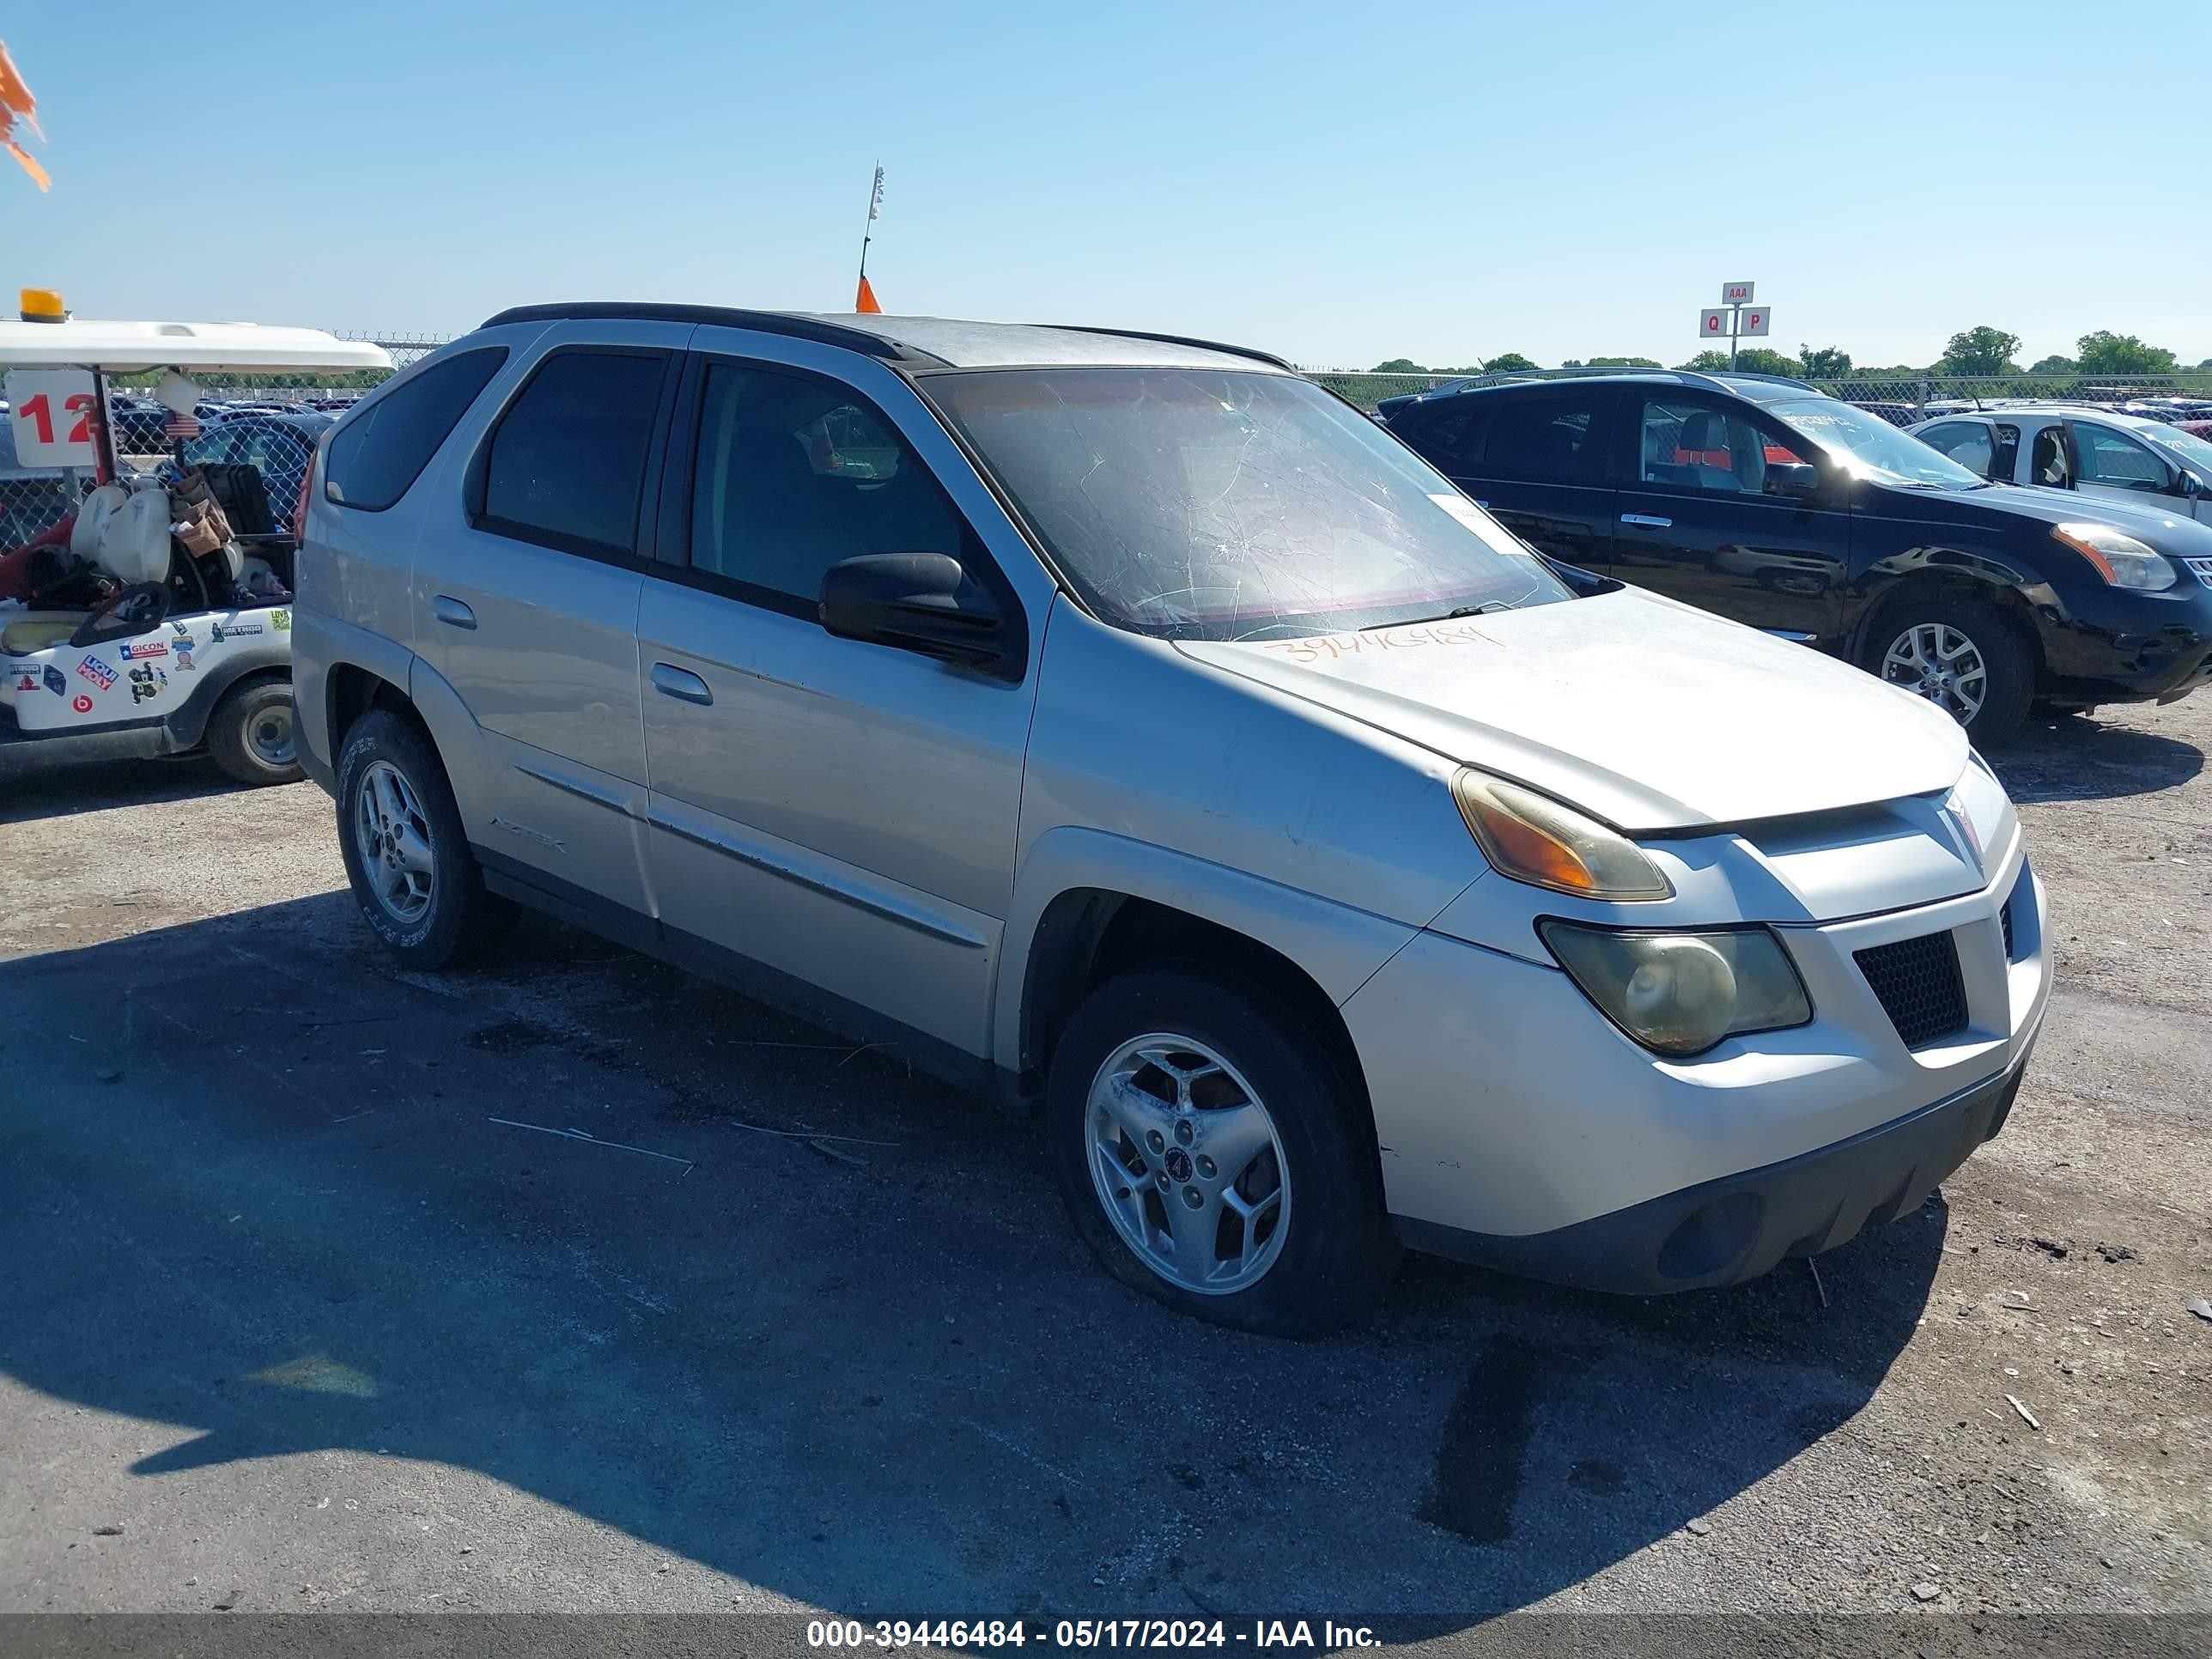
{"x": 291, "y": 1322}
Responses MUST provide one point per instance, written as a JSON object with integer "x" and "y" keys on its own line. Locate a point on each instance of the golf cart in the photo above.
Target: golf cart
{"x": 156, "y": 619}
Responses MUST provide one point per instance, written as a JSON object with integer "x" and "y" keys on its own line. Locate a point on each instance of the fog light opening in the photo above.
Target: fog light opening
{"x": 1712, "y": 1238}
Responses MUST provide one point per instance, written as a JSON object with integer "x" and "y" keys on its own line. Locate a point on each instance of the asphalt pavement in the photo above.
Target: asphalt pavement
{"x": 575, "y": 1283}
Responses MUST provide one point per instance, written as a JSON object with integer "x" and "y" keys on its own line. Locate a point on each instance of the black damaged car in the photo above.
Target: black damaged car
{"x": 1770, "y": 503}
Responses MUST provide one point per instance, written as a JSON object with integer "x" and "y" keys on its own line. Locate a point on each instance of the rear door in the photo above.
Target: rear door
{"x": 527, "y": 599}
{"x": 1536, "y": 460}
{"x": 1969, "y": 441}
{"x": 1704, "y": 518}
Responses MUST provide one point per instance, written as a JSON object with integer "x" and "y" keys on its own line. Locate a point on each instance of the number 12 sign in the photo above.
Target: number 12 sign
{"x": 51, "y": 411}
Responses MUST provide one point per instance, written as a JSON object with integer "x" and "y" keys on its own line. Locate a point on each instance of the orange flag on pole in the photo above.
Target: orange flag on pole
{"x": 16, "y": 102}
{"x": 866, "y": 301}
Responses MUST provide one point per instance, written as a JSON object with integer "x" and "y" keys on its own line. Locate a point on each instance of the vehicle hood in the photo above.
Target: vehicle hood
{"x": 1650, "y": 714}
{"x": 2002, "y": 505}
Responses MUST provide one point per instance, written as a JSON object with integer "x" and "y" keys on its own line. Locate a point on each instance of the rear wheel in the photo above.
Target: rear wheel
{"x": 1212, "y": 1155}
{"x": 1965, "y": 657}
{"x": 250, "y": 733}
{"x": 406, "y": 853}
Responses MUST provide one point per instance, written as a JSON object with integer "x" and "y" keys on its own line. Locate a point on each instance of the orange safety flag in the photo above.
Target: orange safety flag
{"x": 15, "y": 100}
{"x": 866, "y": 301}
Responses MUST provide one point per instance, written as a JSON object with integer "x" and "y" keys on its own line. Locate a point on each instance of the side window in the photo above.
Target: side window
{"x": 1550, "y": 440}
{"x": 1446, "y": 435}
{"x": 383, "y": 448}
{"x": 1968, "y": 442}
{"x": 1690, "y": 445}
{"x": 2113, "y": 458}
{"x": 793, "y": 474}
{"x": 566, "y": 465}
{"x": 2006, "y": 465}
{"x": 2047, "y": 460}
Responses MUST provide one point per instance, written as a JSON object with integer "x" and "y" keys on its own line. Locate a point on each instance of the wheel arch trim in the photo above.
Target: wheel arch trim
{"x": 1335, "y": 945}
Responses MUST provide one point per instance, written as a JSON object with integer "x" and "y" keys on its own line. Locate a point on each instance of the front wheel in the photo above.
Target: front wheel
{"x": 1212, "y": 1155}
{"x": 1965, "y": 657}
{"x": 250, "y": 733}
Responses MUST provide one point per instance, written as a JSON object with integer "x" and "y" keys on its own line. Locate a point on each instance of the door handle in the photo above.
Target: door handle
{"x": 680, "y": 683}
{"x": 1647, "y": 518}
{"x": 452, "y": 613}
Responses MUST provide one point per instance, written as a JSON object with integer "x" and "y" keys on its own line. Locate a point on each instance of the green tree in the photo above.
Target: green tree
{"x": 1825, "y": 362}
{"x": 1399, "y": 366}
{"x": 1612, "y": 363}
{"x": 2106, "y": 353}
{"x": 1708, "y": 360}
{"x": 1765, "y": 360}
{"x": 1506, "y": 361}
{"x": 1982, "y": 350}
{"x": 2053, "y": 364}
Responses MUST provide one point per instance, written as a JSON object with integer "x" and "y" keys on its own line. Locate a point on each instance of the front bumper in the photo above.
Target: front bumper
{"x": 1517, "y": 1126}
{"x": 2112, "y": 645}
{"x": 1739, "y": 1226}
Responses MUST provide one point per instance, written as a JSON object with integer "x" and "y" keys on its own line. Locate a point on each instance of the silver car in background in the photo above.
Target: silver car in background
{"x": 2105, "y": 453}
{"x": 1128, "y": 728}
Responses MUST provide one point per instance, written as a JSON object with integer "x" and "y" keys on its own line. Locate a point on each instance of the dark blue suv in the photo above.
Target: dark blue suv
{"x": 1772, "y": 503}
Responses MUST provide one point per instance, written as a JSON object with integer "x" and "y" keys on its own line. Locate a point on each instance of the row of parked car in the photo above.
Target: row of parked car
{"x": 1985, "y": 559}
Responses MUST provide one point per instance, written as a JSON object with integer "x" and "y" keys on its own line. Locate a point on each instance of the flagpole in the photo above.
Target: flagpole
{"x": 868, "y": 229}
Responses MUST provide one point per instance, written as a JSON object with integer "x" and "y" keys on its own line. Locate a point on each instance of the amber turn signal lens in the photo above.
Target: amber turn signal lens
{"x": 1535, "y": 839}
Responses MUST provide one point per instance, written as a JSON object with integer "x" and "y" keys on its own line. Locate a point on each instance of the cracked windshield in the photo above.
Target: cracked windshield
{"x": 1224, "y": 505}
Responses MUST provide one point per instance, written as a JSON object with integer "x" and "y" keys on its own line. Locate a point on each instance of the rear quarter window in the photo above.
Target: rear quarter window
{"x": 377, "y": 455}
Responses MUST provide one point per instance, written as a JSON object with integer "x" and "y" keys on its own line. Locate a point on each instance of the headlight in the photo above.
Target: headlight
{"x": 1679, "y": 994}
{"x": 1533, "y": 838}
{"x": 2121, "y": 560}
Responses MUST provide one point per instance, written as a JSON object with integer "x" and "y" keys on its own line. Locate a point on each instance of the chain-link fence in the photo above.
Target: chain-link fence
{"x": 1903, "y": 399}
{"x": 272, "y": 427}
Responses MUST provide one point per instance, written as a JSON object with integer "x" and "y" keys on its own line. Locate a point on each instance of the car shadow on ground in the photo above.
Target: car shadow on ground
{"x": 34, "y": 786}
{"x": 2068, "y": 758}
{"x": 789, "y": 1313}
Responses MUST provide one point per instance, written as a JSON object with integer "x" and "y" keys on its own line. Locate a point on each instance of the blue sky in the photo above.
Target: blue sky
{"x": 1340, "y": 184}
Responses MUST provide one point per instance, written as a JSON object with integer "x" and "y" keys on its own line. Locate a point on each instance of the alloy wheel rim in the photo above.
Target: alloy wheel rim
{"x": 269, "y": 735}
{"x": 1187, "y": 1163}
{"x": 1935, "y": 660}
{"x": 392, "y": 833}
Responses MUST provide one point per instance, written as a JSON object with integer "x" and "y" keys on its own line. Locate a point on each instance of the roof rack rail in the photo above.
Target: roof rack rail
{"x": 1175, "y": 339}
{"x": 1710, "y": 382}
{"x": 767, "y": 322}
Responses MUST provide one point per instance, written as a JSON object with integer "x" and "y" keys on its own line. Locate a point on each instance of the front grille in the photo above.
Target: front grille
{"x": 1918, "y": 984}
{"x": 2004, "y": 920}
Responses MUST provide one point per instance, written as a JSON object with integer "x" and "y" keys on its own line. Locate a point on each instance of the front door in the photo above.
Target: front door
{"x": 529, "y": 605}
{"x": 843, "y": 814}
{"x": 2119, "y": 467}
{"x": 1705, "y": 517}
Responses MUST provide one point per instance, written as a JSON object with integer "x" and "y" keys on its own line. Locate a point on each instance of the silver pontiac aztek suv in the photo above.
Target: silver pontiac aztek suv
{"x": 1125, "y": 727}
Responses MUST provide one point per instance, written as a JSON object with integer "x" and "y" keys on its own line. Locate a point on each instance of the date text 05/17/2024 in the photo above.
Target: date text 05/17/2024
{"x": 1086, "y": 1633}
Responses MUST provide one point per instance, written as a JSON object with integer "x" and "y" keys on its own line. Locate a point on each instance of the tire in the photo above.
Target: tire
{"x": 407, "y": 854}
{"x": 251, "y": 733}
{"x": 1329, "y": 1252}
{"x": 1935, "y": 625}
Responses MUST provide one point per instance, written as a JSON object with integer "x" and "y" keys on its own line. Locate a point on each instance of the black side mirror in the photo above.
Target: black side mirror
{"x": 1799, "y": 478}
{"x": 920, "y": 602}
